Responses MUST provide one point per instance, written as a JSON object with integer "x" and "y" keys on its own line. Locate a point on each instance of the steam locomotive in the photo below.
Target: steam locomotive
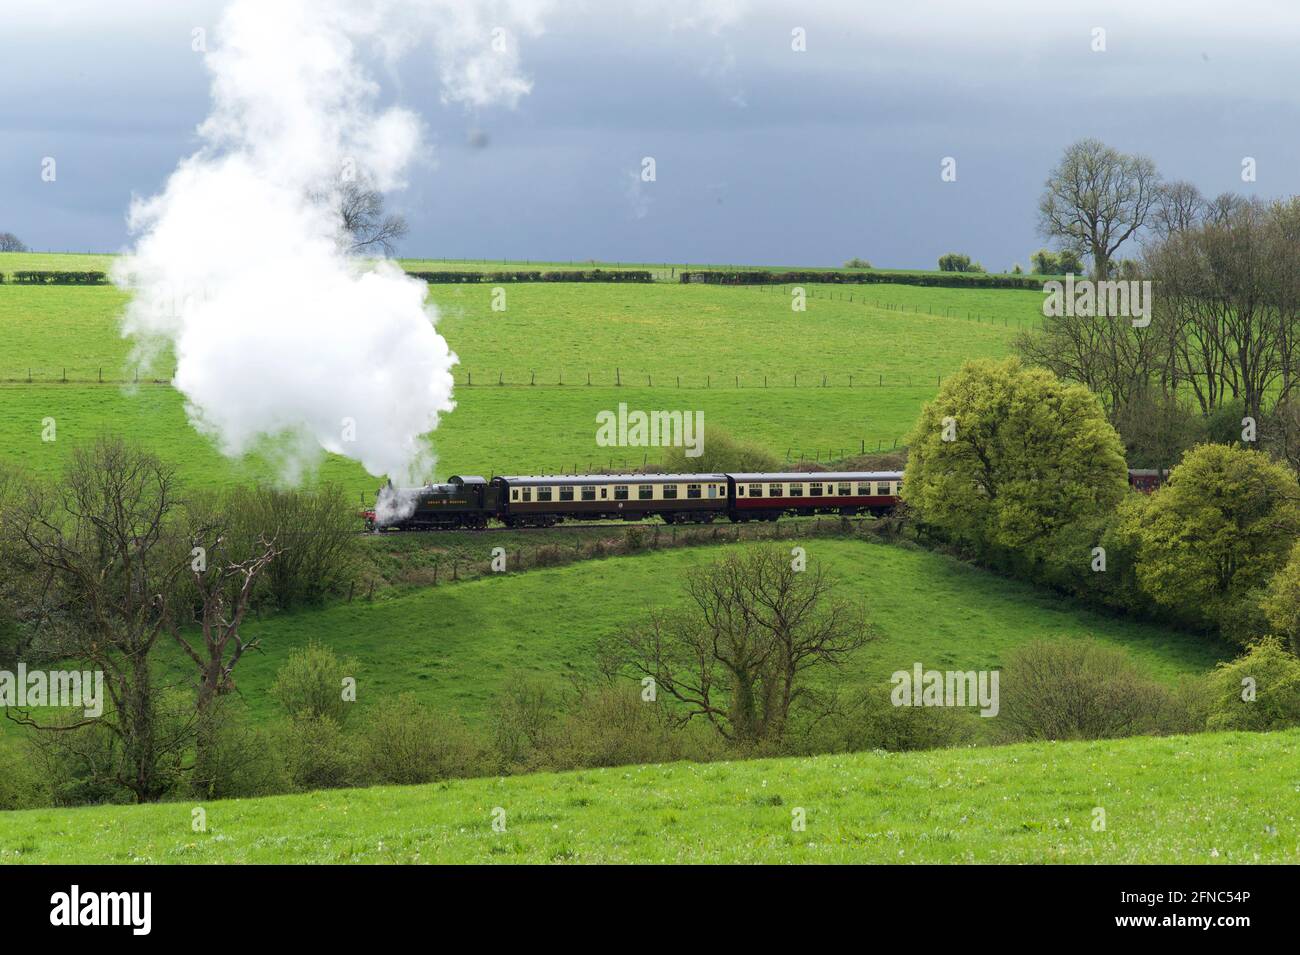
{"x": 542, "y": 501}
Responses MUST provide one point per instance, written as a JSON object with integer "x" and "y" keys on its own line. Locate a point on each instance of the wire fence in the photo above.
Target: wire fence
{"x": 536, "y": 378}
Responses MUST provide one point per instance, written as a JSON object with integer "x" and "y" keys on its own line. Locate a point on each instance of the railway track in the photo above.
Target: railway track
{"x": 597, "y": 525}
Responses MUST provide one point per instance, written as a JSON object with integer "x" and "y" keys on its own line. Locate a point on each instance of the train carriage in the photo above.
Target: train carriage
{"x": 544, "y": 500}
{"x": 768, "y": 496}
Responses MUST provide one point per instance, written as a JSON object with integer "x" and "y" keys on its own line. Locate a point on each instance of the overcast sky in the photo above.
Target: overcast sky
{"x": 763, "y": 154}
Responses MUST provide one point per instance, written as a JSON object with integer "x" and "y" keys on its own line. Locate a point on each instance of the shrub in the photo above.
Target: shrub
{"x": 523, "y": 723}
{"x": 954, "y": 262}
{"x": 613, "y": 726}
{"x": 310, "y": 684}
{"x": 856, "y": 263}
{"x": 1077, "y": 689}
{"x": 237, "y": 759}
{"x": 316, "y": 531}
{"x": 317, "y": 754}
{"x": 721, "y": 453}
{"x": 1257, "y": 691}
{"x": 21, "y": 783}
{"x": 870, "y": 721}
{"x": 405, "y": 743}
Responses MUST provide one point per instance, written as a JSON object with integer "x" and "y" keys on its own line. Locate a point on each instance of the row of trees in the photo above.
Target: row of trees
{"x": 103, "y": 564}
{"x": 1219, "y": 344}
{"x": 1024, "y": 471}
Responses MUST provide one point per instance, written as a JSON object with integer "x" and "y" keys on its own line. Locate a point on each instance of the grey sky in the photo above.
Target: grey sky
{"x": 764, "y": 155}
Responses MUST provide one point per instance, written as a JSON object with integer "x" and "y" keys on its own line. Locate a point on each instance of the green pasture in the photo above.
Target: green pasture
{"x": 1225, "y": 798}
{"x": 839, "y": 378}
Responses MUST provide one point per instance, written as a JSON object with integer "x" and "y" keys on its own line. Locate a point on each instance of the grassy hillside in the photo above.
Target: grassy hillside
{"x": 454, "y": 646}
{"x": 635, "y": 343}
{"x": 1221, "y": 798}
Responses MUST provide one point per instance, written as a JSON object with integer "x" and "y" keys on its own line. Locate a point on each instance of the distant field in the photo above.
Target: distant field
{"x": 720, "y": 343}
{"x": 664, "y": 271}
{"x": 1225, "y": 798}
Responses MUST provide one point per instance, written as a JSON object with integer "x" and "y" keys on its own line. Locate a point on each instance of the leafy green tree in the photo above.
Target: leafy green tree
{"x": 954, "y": 262}
{"x": 1069, "y": 260}
{"x": 1281, "y": 602}
{"x": 1219, "y": 530}
{"x": 1007, "y": 456}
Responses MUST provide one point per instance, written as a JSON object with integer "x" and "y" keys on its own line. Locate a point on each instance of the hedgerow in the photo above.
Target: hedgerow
{"x": 946, "y": 279}
{"x": 570, "y": 275}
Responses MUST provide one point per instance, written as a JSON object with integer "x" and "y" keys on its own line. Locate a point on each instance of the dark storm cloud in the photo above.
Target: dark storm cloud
{"x": 762, "y": 154}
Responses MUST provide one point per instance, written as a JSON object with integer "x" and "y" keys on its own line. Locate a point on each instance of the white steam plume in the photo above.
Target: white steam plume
{"x": 281, "y": 340}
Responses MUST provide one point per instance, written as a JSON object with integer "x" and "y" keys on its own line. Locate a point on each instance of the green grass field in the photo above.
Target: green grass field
{"x": 739, "y": 355}
{"x": 1221, "y": 798}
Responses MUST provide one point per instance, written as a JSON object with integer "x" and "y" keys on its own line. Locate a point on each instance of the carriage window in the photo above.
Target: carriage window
{"x": 527, "y": 493}
{"x": 588, "y": 492}
{"x": 645, "y": 491}
{"x": 775, "y": 490}
{"x": 543, "y": 494}
{"x": 883, "y": 488}
{"x": 514, "y": 494}
{"x": 620, "y": 492}
{"x": 796, "y": 490}
{"x": 713, "y": 490}
{"x": 756, "y": 490}
{"x": 566, "y": 493}
{"x": 670, "y": 492}
{"x": 693, "y": 490}
{"x": 740, "y": 490}
{"x": 814, "y": 490}
{"x": 845, "y": 489}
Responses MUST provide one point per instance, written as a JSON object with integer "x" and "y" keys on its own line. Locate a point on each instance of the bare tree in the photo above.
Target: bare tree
{"x": 223, "y": 588}
{"x": 11, "y": 243}
{"x": 362, "y": 219}
{"x": 739, "y": 655}
{"x": 1229, "y": 291}
{"x": 1224, "y": 206}
{"x": 1096, "y": 198}
{"x": 1179, "y": 206}
{"x": 102, "y": 536}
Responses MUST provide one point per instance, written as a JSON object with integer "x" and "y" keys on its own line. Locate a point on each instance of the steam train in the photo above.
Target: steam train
{"x": 543, "y": 501}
